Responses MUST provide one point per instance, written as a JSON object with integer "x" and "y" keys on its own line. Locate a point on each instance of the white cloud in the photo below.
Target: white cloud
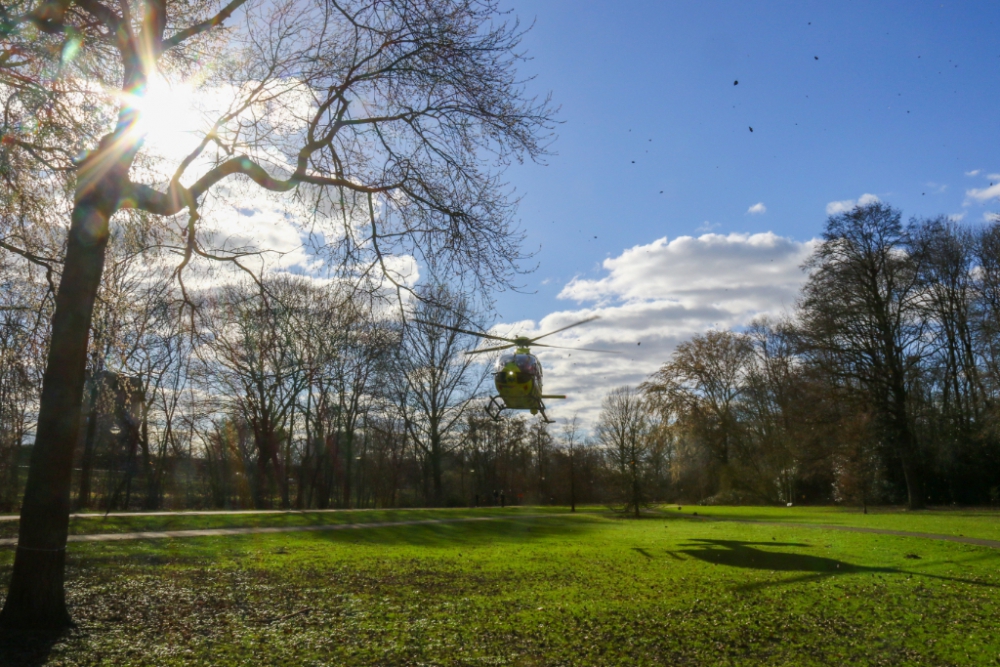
{"x": 757, "y": 209}
{"x": 993, "y": 177}
{"x": 984, "y": 194}
{"x": 974, "y": 172}
{"x": 845, "y": 205}
{"x": 957, "y": 217}
{"x": 653, "y": 297}
{"x": 991, "y": 217}
{"x": 708, "y": 226}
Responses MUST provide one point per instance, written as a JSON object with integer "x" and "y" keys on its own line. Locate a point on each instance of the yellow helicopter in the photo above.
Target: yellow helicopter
{"x": 518, "y": 376}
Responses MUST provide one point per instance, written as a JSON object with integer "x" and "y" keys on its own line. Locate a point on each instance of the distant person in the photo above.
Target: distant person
{"x": 496, "y": 497}
{"x": 503, "y": 501}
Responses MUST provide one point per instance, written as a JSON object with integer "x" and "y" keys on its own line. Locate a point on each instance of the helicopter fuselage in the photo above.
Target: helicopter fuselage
{"x": 517, "y": 376}
{"x": 518, "y": 380}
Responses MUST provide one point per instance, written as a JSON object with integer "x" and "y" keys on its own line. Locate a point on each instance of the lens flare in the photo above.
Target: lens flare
{"x": 167, "y": 119}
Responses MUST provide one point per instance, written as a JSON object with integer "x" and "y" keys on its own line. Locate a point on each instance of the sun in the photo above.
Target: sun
{"x": 169, "y": 119}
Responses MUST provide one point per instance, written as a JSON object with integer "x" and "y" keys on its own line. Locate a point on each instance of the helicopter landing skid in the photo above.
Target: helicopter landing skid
{"x": 495, "y": 409}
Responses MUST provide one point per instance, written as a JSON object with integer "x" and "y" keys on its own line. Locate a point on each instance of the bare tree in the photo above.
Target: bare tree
{"x": 622, "y": 430}
{"x": 697, "y": 393}
{"x": 861, "y": 320}
{"x": 374, "y": 113}
{"x": 253, "y": 356}
{"x": 570, "y": 437}
{"x": 435, "y": 381}
{"x": 346, "y": 348}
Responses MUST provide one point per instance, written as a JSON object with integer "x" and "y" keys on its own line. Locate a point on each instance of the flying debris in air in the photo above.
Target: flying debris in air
{"x": 751, "y": 129}
{"x": 736, "y": 83}
{"x": 815, "y": 57}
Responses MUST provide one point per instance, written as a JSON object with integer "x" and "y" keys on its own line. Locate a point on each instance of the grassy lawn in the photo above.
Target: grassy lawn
{"x": 569, "y": 590}
{"x": 979, "y": 523}
{"x": 98, "y": 523}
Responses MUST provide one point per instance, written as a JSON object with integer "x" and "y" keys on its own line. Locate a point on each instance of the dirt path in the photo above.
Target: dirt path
{"x": 263, "y": 530}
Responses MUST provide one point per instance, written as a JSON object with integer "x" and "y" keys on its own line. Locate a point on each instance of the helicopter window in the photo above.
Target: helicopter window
{"x": 526, "y": 363}
{"x": 502, "y": 362}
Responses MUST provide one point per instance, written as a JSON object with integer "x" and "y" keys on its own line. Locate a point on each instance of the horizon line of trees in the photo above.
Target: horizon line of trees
{"x": 277, "y": 392}
{"x": 881, "y": 387}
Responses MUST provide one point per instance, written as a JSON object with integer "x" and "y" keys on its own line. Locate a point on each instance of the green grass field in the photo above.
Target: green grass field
{"x": 589, "y": 589}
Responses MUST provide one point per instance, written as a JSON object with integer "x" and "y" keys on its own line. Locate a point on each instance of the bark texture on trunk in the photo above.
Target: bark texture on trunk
{"x": 36, "y": 597}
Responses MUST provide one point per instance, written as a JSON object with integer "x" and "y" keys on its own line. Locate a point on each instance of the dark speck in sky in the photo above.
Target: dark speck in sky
{"x": 736, "y": 83}
{"x": 751, "y": 129}
{"x": 815, "y": 57}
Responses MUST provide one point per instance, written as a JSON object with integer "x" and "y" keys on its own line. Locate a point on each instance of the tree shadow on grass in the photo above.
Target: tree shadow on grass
{"x": 24, "y": 648}
{"x": 747, "y": 555}
{"x": 509, "y": 530}
{"x": 192, "y": 551}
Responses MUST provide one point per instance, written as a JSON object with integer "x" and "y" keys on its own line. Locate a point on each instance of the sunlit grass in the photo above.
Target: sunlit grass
{"x": 570, "y": 590}
{"x": 979, "y": 523}
{"x": 96, "y": 523}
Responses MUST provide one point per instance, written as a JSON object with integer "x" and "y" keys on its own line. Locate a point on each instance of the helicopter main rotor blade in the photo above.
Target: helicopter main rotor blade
{"x": 464, "y": 331}
{"x": 581, "y": 349}
{"x": 570, "y": 326}
{"x": 490, "y": 349}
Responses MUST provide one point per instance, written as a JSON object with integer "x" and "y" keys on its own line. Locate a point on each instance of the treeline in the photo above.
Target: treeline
{"x": 277, "y": 392}
{"x": 883, "y": 385}
{"x": 880, "y": 387}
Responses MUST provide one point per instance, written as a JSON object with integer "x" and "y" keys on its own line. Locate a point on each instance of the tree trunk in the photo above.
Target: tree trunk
{"x": 572, "y": 480}
{"x": 348, "y": 467}
{"x": 436, "y": 476}
{"x": 89, "y": 444}
{"x": 261, "y": 495}
{"x": 36, "y": 597}
{"x": 914, "y": 487}
{"x": 635, "y": 489}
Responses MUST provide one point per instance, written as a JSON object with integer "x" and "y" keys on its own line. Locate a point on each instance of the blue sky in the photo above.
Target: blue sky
{"x": 893, "y": 99}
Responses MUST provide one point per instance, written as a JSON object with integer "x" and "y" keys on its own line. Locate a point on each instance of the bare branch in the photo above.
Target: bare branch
{"x": 199, "y": 28}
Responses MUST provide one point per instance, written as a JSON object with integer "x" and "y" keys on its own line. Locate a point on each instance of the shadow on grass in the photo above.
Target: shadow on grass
{"x": 466, "y": 533}
{"x": 99, "y": 524}
{"x": 22, "y": 648}
{"x": 193, "y": 551}
{"x": 747, "y": 555}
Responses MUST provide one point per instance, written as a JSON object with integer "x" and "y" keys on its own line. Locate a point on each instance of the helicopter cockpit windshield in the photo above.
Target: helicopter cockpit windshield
{"x": 527, "y": 365}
